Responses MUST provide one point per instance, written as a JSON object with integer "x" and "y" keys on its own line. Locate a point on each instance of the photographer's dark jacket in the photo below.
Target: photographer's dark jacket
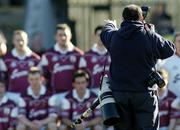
{"x": 132, "y": 50}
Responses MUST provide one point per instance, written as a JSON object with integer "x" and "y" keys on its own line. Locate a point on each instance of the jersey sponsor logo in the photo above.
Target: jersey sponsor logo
{"x": 35, "y": 113}
{"x": 60, "y": 68}
{"x": 17, "y": 74}
{"x": 176, "y": 78}
{"x": 163, "y": 113}
{"x": 37, "y": 102}
{"x": 4, "y": 119}
{"x": 98, "y": 69}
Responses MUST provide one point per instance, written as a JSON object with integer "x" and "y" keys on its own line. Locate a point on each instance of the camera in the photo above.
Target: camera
{"x": 108, "y": 104}
{"x": 145, "y": 10}
{"x": 155, "y": 78}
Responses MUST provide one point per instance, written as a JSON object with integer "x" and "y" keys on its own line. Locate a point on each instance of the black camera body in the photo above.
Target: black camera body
{"x": 155, "y": 78}
{"x": 145, "y": 10}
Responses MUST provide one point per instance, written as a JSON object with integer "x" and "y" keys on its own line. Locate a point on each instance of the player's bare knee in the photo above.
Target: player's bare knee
{"x": 21, "y": 126}
{"x": 52, "y": 126}
{"x": 98, "y": 127}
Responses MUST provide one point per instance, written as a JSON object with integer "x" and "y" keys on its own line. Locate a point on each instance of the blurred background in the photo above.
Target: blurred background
{"x": 39, "y": 18}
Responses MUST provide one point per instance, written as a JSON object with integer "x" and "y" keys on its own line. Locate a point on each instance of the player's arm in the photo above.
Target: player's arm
{"x": 97, "y": 120}
{"x": 22, "y": 115}
{"x": 173, "y": 117}
{"x": 93, "y": 122}
{"x": 22, "y": 119}
{"x": 13, "y": 118}
{"x": 67, "y": 121}
{"x": 66, "y": 112}
{"x": 47, "y": 120}
{"x": 52, "y": 112}
{"x": 172, "y": 124}
{"x": 43, "y": 65}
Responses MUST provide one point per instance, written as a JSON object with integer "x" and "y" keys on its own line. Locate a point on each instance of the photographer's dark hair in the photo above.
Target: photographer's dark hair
{"x": 99, "y": 27}
{"x": 132, "y": 13}
{"x": 81, "y": 73}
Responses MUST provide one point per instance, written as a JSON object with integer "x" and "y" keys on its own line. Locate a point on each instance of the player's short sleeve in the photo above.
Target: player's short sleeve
{"x": 175, "y": 109}
{"x": 82, "y": 63}
{"x": 2, "y": 65}
{"x": 14, "y": 112}
{"x": 52, "y": 110}
{"x": 13, "y": 117}
{"x": 66, "y": 108}
{"x": 22, "y": 110}
{"x": 44, "y": 61}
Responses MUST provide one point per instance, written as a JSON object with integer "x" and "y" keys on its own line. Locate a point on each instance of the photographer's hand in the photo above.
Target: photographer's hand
{"x": 150, "y": 26}
{"x": 111, "y": 21}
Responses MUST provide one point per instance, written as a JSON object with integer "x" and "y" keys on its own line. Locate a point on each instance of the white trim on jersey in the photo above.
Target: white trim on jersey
{"x": 70, "y": 47}
{"x": 95, "y": 49}
{"x": 41, "y": 92}
{"x": 28, "y": 52}
{"x": 3, "y": 100}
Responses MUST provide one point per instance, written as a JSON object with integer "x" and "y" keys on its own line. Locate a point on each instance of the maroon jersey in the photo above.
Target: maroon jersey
{"x": 94, "y": 63}
{"x": 17, "y": 69}
{"x": 166, "y": 112}
{"x": 8, "y": 111}
{"x": 37, "y": 108}
{"x": 73, "y": 107}
{"x": 61, "y": 66}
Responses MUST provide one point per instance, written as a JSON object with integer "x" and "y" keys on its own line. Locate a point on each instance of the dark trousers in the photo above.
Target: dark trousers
{"x": 138, "y": 110}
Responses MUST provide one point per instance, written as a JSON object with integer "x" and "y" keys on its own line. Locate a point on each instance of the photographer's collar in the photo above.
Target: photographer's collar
{"x": 125, "y": 22}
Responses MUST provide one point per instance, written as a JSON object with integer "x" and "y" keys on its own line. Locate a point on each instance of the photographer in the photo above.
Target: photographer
{"x": 134, "y": 51}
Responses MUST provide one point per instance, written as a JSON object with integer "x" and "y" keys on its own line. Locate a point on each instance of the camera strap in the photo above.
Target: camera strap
{"x": 104, "y": 70}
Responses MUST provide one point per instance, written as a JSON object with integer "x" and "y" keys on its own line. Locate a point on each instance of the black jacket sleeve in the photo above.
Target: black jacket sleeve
{"x": 107, "y": 34}
{"x": 162, "y": 48}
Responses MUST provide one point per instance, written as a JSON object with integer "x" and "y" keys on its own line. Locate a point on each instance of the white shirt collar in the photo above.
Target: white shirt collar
{"x": 28, "y": 52}
{"x": 3, "y": 100}
{"x": 42, "y": 92}
{"x": 75, "y": 95}
{"x": 95, "y": 49}
{"x": 164, "y": 95}
{"x": 59, "y": 49}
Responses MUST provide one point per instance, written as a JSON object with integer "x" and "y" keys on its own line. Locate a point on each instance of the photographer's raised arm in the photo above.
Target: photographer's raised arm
{"x": 162, "y": 48}
{"x": 108, "y": 32}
